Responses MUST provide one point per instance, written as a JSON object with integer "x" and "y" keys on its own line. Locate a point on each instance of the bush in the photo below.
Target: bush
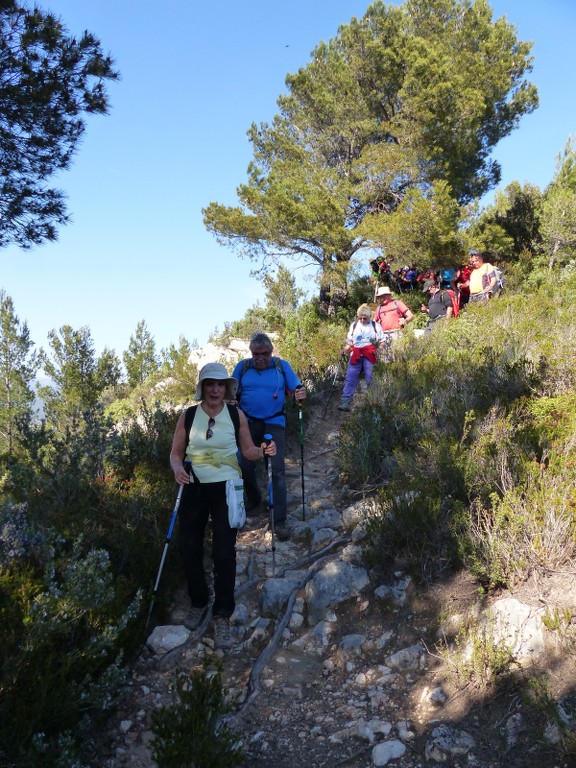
{"x": 191, "y": 731}
{"x": 61, "y": 641}
{"x": 416, "y": 531}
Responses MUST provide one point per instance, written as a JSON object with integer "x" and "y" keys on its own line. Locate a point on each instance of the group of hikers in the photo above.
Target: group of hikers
{"x": 448, "y": 290}
{"x": 239, "y": 420}
{"x": 410, "y": 278}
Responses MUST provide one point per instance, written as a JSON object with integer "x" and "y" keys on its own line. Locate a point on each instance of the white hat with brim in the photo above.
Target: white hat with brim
{"x": 384, "y": 291}
{"x": 216, "y": 371}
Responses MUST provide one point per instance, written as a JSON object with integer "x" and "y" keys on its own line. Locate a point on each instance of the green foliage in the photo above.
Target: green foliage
{"x": 310, "y": 344}
{"x": 177, "y": 374}
{"x": 511, "y": 226}
{"x": 478, "y": 659}
{"x": 63, "y": 622}
{"x": 77, "y": 377}
{"x": 48, "y": 82}
{"x": 140, "y": 359}
{"x": 361, "y": 451}
{"x": 417, "y": 530}
{"x": 18, "y": 367}
{"x": 558, "y": 714}
{"x": 191, "y": 731}
{"x": 84, "y": 507}
{"x": 558, "y": 226}
{"x": 426, "y": 221}
{"x": 472, "y": 432}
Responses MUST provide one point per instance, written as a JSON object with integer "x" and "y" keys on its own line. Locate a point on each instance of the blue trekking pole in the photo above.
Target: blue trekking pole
{"x": 188, "y": 466}
{"x": 268, "y": 439}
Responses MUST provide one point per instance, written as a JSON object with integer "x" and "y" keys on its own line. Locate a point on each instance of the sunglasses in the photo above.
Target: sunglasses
{"x": 209, "y": 431}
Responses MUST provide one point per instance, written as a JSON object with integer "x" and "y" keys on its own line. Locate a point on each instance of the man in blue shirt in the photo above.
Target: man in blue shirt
{"x": 263, "y": 382}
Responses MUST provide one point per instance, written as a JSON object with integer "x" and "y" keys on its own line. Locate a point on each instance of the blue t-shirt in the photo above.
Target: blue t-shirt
{"x": 263, "y": 393}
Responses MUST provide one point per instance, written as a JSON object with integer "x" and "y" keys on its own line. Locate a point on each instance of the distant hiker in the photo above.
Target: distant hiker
{"x": 263, "y": 382}
{"x": 483, "y": 278}
{"x": 460, "y": 283}
{"x": 209, "y": 435}
{"x": 391, "y": 314}
{"x": 439, "y": 305}
{"x": 446, "y": 275}
{"x": 380, "y": 269}
{"x": 364, "y": 336}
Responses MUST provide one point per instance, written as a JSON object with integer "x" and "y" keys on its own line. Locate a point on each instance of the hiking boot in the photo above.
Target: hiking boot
{"x": 282, "y": 531}
{"x": 222, "y": 637}
{"x": 345, "y": 404}
{"x": 195, "y": 617}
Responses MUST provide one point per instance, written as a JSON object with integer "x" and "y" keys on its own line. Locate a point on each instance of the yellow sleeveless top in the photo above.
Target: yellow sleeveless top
{"x": 214, "y": 460}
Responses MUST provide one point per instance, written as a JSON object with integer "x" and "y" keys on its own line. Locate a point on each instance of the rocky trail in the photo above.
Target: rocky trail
{"x": 330, "y": 668}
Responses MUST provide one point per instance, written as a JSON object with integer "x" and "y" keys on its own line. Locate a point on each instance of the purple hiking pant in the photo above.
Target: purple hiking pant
{"x": 353, "y": 375}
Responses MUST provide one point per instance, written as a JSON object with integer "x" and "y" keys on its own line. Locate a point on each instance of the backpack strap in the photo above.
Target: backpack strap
{"x": 235, "y": 417}
{"x": 246, "y": 365}
{"x": 188, "y": 420}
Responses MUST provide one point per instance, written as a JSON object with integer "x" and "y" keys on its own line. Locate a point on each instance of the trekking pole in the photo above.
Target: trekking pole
{"x": 302, "y": 459}
{"x": 332, "y": 387}
{"x": 268, "y": 438}
{"x": 187, "y": 465}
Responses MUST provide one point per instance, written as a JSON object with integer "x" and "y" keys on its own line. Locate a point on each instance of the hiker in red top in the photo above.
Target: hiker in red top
{"x": 392, "y": 314}
{"x": 460, "y": 283}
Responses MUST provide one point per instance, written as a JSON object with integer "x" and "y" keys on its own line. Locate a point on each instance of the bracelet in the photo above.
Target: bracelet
{"x": 261, "y": 452}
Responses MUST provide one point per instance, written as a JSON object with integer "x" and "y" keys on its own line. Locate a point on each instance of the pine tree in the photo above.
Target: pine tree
{"x": 73, "y": 370}
{"x": 140, "y": 358}
{"x": 407, "y": 96}
{"x": 48, "y": 82}
{"x": 18, "y": 367}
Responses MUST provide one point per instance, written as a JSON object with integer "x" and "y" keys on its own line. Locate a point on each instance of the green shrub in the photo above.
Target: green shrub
{"x": 191, "y": 731}
{"x": 364, "y": 454}
{"x": 478, "y": 659}
{"x": 415, "y": 530}
{"x": 62, "y": 664}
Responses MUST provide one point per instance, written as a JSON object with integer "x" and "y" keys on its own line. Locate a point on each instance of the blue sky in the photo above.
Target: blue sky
{"x": 193, "y": 78}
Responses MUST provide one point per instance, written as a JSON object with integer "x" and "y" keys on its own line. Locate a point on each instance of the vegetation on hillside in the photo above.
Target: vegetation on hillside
{"x": 467, "y": 436}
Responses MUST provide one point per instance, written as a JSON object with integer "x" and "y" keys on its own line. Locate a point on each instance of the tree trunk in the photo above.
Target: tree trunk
{"x": 333, "y": 294}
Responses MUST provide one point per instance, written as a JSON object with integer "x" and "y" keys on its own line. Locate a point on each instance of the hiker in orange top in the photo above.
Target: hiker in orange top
{"x": 482, "y": 278}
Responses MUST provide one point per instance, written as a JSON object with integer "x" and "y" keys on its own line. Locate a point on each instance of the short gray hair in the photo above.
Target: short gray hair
{"x": 260, "y": 340}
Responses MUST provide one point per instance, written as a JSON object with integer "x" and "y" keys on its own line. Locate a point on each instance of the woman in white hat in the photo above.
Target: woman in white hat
{"x": 209, "y": 439}
{"x": 364, "y": 336}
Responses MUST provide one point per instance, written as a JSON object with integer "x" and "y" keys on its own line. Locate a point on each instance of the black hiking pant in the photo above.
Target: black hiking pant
{"x": 201, "y": 501}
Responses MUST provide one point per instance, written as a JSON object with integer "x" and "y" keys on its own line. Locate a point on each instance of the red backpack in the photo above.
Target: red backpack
{"x": 454, "y": 299}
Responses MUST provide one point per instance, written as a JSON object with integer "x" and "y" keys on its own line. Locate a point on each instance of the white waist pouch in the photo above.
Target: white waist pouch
{"x": 235, "y": 501}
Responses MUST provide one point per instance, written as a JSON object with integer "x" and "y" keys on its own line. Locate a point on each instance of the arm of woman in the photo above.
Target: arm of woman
{"x": 178, "y": 451}
{"x": 250, "y": 451}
